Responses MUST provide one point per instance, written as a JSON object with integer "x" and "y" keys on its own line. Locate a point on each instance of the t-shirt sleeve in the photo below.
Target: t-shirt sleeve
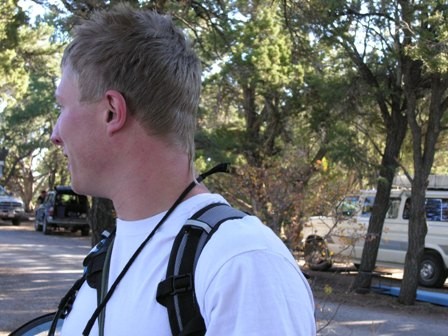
{"x": 248, "y": 284}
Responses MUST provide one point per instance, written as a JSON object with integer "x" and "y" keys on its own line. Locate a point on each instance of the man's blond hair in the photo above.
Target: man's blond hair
{"x": 145, "y": 57}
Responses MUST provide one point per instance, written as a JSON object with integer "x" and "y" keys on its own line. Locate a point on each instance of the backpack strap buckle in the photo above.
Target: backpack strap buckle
{"x": 177, "y": 292}
{"x": 173, "y": 285}
{"x": 180, "y": 283}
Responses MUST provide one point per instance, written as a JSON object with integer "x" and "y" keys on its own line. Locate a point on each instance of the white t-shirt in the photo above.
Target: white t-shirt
{"x": 246, "y": 281}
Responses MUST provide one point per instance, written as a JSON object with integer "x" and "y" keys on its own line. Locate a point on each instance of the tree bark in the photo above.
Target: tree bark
{"x": 101, "y": 217}
{"x": 424, "y": 145}
{"x": 388, "y": 167}
{"x": 416, "y": 236}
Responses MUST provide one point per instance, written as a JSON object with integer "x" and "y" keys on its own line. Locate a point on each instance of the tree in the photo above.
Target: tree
{"x": 356, "y": 29}
{"x": 27, "y": 118}
{"x": 271, "y": 104}
{"x": 255, "y": 106}
{"x": 270, "y": 60}
{"x": 379, "y": 38}
{"x": 426, "y": 87}
{"x": 13, "y": 77}
{"x": 257, "y": 74}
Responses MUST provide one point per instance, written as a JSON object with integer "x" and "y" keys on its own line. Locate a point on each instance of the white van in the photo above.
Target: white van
{"x": 341, "y": 238}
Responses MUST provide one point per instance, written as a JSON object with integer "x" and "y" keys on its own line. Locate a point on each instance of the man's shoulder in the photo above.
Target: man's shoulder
{"x": 241, "y": 236}
{"x": 199, "y": 202}
{"x": 245, "y": 233}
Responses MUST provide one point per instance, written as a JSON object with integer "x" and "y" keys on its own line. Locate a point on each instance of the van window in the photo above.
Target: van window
{"x": 394, "y": 206}
{"x": 392, "y": 212}
{"x": 367, "y": 206}
{"x": 407, "y": 208}
{"x": 436, "y": 209}
{"x": 348, "y": 206}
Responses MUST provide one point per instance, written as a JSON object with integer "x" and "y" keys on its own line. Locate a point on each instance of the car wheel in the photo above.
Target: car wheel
{"x": 37, "y": 227}
{"x": 317, "y": 255}
{"x": 432, "y": 272}
{"x": 45, "y": 228}
{"x": 85, "y": 231}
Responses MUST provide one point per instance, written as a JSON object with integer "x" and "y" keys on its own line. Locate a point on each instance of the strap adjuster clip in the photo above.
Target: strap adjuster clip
{"x": 180, "y": 283}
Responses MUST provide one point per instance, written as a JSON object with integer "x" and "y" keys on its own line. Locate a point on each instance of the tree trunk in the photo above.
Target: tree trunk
{"x": 424, "y": 144}
{"x": 395, "y": 136}
{"x": 101, "y": 217}
{"x": 416, "y": 236}
{"x": 373, "y": 237}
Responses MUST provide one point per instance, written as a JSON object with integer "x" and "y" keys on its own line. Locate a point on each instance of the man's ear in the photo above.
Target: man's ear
{"x": 117, "y": 110}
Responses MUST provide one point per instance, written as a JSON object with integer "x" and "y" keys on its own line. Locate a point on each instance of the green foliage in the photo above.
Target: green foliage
{"x": 431, "y": 39}
{"x": 27, "y": 119}
{"x": 290, "y": 92}
{"x": 263, "y": 51}
{"x": 13, "y": 77}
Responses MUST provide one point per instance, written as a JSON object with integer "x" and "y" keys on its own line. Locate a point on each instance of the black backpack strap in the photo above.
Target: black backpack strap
{"x": 176, "y": 292}
{"x": 93, "y": 265}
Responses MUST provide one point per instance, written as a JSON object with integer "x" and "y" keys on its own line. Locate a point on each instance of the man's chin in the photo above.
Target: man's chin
{"x": 86, "y": 191}
{"x": 77, "y": 188}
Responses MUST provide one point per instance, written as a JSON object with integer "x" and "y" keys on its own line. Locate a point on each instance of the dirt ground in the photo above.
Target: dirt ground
{"x": 335, "y": 286}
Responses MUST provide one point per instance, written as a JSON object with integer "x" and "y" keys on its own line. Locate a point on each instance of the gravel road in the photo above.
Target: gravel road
{"x": 35, "y": 271}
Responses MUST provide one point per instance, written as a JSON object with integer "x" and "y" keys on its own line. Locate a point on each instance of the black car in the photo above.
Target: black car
{"x": 63, "y": 208}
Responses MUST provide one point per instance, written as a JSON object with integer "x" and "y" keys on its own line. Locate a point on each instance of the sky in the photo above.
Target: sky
{"x": 32, "y": 8}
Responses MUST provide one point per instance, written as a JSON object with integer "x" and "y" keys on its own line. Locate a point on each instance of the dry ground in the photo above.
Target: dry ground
{"x": 335, "y": 286}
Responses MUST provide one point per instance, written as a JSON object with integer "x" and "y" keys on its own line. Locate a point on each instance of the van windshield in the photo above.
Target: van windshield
{"x": 3, "y": 192}
{"x": 348, "y": 206}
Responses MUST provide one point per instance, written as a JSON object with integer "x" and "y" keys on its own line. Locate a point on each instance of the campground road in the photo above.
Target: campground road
{"x": 353, "y": 320}
{"x": 36, "y": 270}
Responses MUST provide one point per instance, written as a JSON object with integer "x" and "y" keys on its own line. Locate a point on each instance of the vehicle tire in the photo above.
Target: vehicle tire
{"x": 37, "y": 227}
{"x": 85, "y": 231}
{"x": 15, "y": 221}
{"x": 432, "y": 271}
{"x": 316, "y": 254}
{"x": 45, "y": 227}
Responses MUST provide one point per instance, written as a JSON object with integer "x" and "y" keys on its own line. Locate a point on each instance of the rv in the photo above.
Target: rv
{"x": 341, "y": 237}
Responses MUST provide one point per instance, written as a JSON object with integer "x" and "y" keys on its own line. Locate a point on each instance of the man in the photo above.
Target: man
{"x": 41, "y": 197}
{"x": 128, "y": 95}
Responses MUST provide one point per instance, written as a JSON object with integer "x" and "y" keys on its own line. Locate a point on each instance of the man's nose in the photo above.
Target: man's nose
{"x": 55, "y": 137}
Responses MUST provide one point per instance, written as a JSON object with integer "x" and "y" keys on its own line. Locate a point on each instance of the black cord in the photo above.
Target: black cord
{"x": 103, "y": 303}
{"x": 220, "y": 168}
{"x": 65, "y": 304}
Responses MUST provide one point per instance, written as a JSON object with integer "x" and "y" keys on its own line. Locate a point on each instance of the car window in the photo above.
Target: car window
{"x": 436, "y": 209}
{"x": 394, "y": 206}
{"x": 392, "y": 212}
{"x": 367, "y": 206}
{"x": 71, "y": 200}
{"x": 348, "y": 206}
{"x": 47, "y": 198}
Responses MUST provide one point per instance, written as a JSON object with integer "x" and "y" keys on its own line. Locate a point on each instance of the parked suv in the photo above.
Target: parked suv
{"x": 11, "y": 208}
{"x": 63, "y": 208}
